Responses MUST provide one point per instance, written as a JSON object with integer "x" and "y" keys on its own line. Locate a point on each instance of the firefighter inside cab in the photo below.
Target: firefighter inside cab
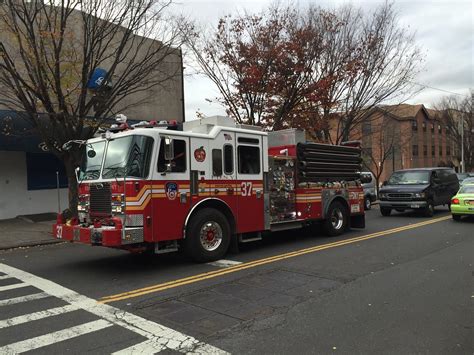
{"x": 202, "y": 185}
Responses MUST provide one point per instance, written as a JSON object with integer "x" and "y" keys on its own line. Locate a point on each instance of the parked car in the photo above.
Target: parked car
{"x": 370, "y": 189}
{"x": 418, "y": 189}
{"x": 462, "y": 203}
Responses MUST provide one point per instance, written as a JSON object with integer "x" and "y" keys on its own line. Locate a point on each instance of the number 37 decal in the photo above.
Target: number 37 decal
{"x": 246, "y": 188}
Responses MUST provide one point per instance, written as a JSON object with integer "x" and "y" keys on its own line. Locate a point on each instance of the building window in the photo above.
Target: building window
{"x": 366, "y": 128}
{"x": 415, "y": 150}
{"x": 439, "y": 128}
{"x": 249, "y": 159}
{"x": 448, "y": 149}
{"x": 424, "y": 126}
{"x": 425, "y": 150}
{"x": 414, "y": 125}
{"x": 432, "y": 127}
{"x": 217, "y": 162}
{"x": 433, "y": 150}
{"x": 440, "y": 151}
{"x": 228, "y": 159}
{"x": 41, "y": 171}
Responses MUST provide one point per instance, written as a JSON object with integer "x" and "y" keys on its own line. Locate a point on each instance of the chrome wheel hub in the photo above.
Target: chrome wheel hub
{"x": 337, "y": 219}
{"x": 210, "y": 236}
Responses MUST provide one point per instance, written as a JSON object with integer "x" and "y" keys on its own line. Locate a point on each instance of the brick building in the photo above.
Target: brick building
{"x": 405, "y": 136}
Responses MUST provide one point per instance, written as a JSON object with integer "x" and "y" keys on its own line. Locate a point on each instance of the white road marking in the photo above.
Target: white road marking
{"x": 13, "y": 286}
{"x": 54, "y": 337}
{"x": 4, "y": 277}
{"x": 224, "y": 263}
{"x": 159, "y": 337}
{"x": 36, "y": 316}
{"x": 34, "y": 296}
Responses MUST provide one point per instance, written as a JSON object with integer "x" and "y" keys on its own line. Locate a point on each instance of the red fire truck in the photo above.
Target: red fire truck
{"x": 208, "y": 184}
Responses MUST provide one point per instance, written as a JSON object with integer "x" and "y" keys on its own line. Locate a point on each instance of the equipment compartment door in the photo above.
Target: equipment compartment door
{"x": 249, "y": 167}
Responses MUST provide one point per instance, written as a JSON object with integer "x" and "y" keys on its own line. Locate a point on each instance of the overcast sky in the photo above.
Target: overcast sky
{"x": 444, "y": 30}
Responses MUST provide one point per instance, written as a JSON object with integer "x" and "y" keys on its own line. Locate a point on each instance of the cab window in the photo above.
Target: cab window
{"x": 178, "y": 162}
{"x": 249, "y": 159}
{"x": 216, "y": 162}
{"x": 228, "y": 159}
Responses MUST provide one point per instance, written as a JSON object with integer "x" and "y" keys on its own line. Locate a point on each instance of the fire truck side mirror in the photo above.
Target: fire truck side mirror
{"x": 169, "y": 149}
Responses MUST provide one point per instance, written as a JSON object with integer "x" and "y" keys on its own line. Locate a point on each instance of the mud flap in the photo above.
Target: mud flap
{"x": 357, "y": 221}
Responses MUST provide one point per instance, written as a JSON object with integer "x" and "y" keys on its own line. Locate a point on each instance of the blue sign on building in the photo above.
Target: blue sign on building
{"x": 98, "y": 77}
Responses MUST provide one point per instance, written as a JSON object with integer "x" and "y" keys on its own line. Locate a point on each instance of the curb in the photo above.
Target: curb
{"x": 31, "y": 244}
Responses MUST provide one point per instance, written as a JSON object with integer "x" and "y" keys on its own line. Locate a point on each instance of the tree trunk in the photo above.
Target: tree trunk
{"x": 70, "y": 164}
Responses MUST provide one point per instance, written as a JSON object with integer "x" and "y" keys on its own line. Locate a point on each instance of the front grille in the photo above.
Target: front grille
{"x": 100, "y": 203}
{"x": 399, "y": 196}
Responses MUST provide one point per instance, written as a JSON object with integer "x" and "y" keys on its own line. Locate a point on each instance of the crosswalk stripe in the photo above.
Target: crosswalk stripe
{"x": 36, "y": 316}
{"x": 13, "y": 286}
{"x": 4, "y": 277}
{"x": 54, "y": 337}
{"x": 34, "y": 296}
{"x": 150, "y": 346}
{"x": 160, "y": 336}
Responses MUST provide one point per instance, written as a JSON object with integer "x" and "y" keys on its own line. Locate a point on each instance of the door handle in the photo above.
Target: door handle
{"x": 258, "y": 193}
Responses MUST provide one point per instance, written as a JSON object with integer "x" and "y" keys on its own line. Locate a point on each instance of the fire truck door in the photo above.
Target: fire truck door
{"x": 224, "y": 184}
{"x": 249, "y": 166}
{"x": 171, "y": 193}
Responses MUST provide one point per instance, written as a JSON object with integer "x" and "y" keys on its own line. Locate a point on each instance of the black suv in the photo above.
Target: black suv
{"x": 418, "y": 189}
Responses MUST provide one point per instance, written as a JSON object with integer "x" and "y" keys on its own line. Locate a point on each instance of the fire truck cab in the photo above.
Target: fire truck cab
{"x": 208, "y": 185}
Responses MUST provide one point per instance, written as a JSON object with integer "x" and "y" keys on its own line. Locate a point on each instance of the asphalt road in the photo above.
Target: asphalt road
{"x": 402, "y": 285}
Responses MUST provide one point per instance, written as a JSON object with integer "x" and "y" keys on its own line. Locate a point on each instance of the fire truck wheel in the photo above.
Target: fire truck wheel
{"x": 207, "y": 236}
{"x": 367, "y": 203}
{"x": 337, "y": 218}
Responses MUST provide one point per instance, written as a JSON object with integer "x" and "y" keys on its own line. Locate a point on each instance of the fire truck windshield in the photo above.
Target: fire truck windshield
{"x": 92, "y": 161}
{"x": 128, "y": 156}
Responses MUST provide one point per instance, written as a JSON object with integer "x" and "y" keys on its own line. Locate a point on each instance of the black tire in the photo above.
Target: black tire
{"x": 200, "y": 248}
{"x": 367, "y": 203}
{"x": 456, "y": 217}
{"x": 385, "y": 211}
{"x": 337, "y": 219}
{"x": 429, "y": 210}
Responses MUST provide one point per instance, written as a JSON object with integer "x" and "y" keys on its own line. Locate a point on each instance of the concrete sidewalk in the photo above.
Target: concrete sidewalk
{"x": 27, "y": 231}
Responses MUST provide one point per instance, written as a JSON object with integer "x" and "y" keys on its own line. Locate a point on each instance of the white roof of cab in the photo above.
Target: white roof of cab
{"x": 208, "y": 127}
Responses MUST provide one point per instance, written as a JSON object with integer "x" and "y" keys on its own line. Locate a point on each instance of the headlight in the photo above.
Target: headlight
{"x": 382, "y": 195}
{"x": 117, "y": 209}
{"x": 420, "y": 195}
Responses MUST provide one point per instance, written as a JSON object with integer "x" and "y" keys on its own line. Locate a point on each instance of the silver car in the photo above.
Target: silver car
{"x": 370, "y": 189}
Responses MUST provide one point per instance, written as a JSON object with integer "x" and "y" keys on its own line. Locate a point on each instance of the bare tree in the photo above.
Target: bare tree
{"x": 457, "y": 113}
{"x": 381, "y": 58}
{"x": 50, "y": 50}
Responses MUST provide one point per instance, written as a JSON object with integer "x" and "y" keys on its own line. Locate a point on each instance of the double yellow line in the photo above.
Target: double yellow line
{"x": 259, "y": 262}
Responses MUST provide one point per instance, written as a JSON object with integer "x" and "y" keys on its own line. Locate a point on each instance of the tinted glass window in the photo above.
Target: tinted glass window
{"x": 178, "y": 162}
{"x": 217, "y": 162}
{"x": 467, "y": 189}
{"x": 367, "y": 177}
{"x": 249, "y": 159}
{"x": 409, "y": 177}
{"x": 228, "y": 159}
